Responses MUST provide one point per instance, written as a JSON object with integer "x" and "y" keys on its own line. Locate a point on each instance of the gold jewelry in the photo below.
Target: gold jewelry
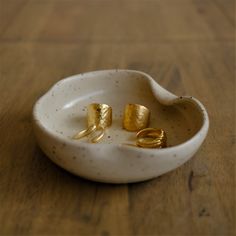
{"x": 85, "y": 132}
{"x": 99, "y": 117}
{"x": 151, "y": 138}
{"x": 136, "y": 117}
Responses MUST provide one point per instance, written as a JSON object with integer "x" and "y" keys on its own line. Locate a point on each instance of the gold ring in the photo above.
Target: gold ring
{"x": 136, "y": 117}
{"x": 85, "y": 132}
{"x": 99, "y": 117}
{"x": 151, "y": 138}
{"x": 98, "y": 137}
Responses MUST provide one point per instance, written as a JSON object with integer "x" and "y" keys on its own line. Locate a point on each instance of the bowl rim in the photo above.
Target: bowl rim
{"x": 168, "y": 99}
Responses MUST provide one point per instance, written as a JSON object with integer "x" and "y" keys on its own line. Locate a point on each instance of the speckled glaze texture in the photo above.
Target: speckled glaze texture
{"x": 61, "y": 112}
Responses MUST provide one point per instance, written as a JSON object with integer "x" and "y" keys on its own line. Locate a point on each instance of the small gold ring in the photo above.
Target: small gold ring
{"x": 151, "y": 138}
{"x": 85, "y": 132}
{"x": 136, "y": 117}
{"x": 97, "y": 138}
{"x": 99, "y": 117}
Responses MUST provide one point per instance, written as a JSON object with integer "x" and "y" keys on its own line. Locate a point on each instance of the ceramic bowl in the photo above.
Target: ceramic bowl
{"x": 61, "y": 113}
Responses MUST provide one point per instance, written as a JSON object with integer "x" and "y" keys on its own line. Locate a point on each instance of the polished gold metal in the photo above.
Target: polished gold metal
{"x": 151, "y": 138}
{"x": 136, "y": 117}
{"x": 85, "y": 132}
{"x": 99, "y": 117}
{"x": 97, "y": 137}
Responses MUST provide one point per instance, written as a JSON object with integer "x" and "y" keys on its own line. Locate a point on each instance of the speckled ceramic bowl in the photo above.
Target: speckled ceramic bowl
{"x": 61, "y": 112}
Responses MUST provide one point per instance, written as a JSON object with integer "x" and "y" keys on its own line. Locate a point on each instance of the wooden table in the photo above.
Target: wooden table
{"x": 188, "y": 46}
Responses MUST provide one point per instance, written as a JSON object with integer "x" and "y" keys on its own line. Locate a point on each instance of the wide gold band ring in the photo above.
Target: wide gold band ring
{"x": 151, "y": 138}
{"x": 99, "y": 117}
{"x": 136, "y": 117}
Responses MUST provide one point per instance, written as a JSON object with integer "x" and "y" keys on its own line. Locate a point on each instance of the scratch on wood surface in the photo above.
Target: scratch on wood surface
{"x": 190, "y": 181}
{"x": 203, "y": 212}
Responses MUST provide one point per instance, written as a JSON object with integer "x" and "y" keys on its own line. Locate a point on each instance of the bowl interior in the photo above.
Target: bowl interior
{"x": 63, "y": 109}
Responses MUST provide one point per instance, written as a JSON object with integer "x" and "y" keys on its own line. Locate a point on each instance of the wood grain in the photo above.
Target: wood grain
{"x": 188, "y": 46}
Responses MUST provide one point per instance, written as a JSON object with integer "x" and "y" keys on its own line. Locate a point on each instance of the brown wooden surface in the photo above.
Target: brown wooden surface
{"x": 187, "y": 45}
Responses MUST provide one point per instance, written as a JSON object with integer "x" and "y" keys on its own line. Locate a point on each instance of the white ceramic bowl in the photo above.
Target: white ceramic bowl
{"x": 61, "y": 113}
